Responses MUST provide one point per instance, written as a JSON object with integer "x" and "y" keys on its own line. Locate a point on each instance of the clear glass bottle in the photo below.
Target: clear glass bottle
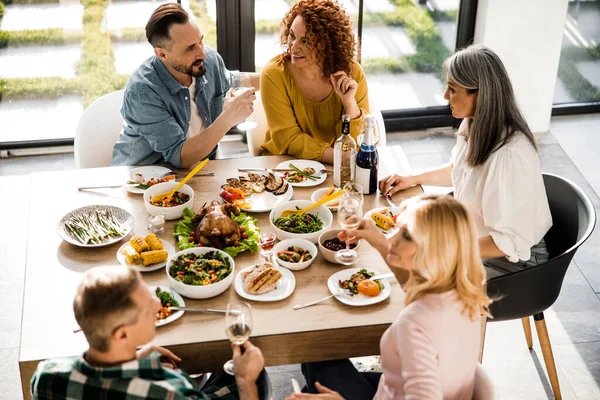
{"x": 367, "y": 159}
{"x": 344, "y": 155}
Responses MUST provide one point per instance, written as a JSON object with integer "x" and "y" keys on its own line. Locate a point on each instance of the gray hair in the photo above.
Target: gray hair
{"x": 497, "y": 116}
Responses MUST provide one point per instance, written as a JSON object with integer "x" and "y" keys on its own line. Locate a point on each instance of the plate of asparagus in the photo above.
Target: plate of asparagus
{"x": 95, "y": 226}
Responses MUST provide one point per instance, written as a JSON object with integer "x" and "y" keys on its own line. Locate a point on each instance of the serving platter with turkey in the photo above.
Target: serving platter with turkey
{"x": 256, "y": 192}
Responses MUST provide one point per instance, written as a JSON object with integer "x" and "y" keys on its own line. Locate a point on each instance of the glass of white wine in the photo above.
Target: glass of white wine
{"x": 238, "y": 88}
{"x": 238, "y": 325}
{"x": 349, "y": 217}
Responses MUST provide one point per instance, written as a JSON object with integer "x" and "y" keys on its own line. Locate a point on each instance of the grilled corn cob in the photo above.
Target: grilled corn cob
{"x": 154, "y": 242}
{"x": 382, "y": 221}
{"x": 132, "y": 256}
{"x": 139, "y": 244}
{"x": 154, "y": 256}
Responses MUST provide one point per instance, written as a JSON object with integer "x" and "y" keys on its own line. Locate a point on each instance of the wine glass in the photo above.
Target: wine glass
{"x": 239, "y": 87}
{"x": 238, "y": 325}
{"x": 266, "y": 242}
{"x": 349, "y": 216}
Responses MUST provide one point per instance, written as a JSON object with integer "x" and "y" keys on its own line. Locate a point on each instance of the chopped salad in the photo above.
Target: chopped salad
{"x": 304, "y": 223}
{"x": 353, "y": 284}
{"x": 200, "y": 270}
{"x": 166, "y": 301}
{"x": 177, "y": 199}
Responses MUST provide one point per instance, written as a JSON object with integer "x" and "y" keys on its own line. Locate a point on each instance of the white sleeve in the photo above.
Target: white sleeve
{"x": 508, "y": 204}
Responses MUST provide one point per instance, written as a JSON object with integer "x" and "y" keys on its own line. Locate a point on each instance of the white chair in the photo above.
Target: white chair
{"x": 98, "y": 131}
{"x": 256, "y": 136}
{"x": 484, "y": 389}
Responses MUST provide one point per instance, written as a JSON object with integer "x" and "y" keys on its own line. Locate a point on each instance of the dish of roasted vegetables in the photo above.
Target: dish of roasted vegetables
{"x": 256, "y": 192}
{"x": 95, "y": 226}
{"x": 303, "y": 173}
{"x": 145, "y": 253}
{"x": 200, "y": 270}
{"x": 168, "y": 298}
{"x": 142, "y": 178}
{"x": 385, "y": 217}
{"x": 294, "y": 254}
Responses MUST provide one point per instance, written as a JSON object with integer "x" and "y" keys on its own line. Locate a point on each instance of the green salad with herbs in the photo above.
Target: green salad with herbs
{"x": 304, "y": 223}
{"x": 200, "y": 269}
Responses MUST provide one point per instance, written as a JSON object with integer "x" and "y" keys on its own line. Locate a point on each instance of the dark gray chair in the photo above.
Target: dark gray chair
{"x": 531, "y": 291}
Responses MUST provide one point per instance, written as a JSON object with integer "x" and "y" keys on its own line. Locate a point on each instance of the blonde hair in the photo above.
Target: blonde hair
{"x": 447, "y": 256}
{"x": 103, "y": 303}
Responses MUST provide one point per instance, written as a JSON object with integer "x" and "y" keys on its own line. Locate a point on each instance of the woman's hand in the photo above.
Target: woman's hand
{"x": 324, "y": 394}
{"x": 394, "y": 183}
{"x": 168, "y": 358}
{"x": 367, "y": 230}
{"x": 345, "y": 88}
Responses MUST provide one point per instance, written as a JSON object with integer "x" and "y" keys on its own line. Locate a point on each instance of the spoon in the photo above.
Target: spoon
{"x": 168, "y": 195}
{"x": 288, "y": 213}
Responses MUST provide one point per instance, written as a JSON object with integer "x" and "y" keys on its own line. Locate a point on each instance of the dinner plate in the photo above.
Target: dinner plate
{"x": 358, "y": 299}
{"x": 140, "y": 267}
{"x": 285, "y": 286}
{"x": 319, "y": 193}
{"x": 177, "y": 297}
{"x": 149, "y": 172}
{"x": 124, "y": 218}
{"x": 266, "y": 201}
{"x": 301, "y": 164}
{"x": 394, "y": 210}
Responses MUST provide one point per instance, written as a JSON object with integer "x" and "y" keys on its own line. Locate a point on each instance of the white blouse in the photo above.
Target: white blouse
{"x": 505, "y": 195}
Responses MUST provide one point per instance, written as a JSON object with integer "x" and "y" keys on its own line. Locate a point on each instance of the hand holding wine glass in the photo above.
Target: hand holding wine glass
{"x": 238, "y": 325}
{"x": 349, "y": 217}
{"x": 239, "y": 87}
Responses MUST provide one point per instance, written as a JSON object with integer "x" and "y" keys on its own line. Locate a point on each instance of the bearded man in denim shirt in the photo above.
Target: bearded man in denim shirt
{"x": 174, "y": 105}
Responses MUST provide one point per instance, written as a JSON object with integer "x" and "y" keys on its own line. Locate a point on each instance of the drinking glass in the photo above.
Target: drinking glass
{"x": 239, "y": 87}
{"x": 238, "y": 325}
{"x": 349, "y": 216}
{"x": 266, "y": 242}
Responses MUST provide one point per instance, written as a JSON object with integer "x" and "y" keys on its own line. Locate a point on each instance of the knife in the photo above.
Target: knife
{"x": 382, "y": 276}
{"x": 273, "y": 170}
{"x": 130, "y": 184}
{"x": 199, "y": 309}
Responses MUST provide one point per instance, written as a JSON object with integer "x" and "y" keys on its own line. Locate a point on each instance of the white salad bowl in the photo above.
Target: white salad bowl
{"x": 197, "y": 291}
{"x": 170, "y": 212}
{"x": 322, "y": 212}
{"x": 303, "y": 244}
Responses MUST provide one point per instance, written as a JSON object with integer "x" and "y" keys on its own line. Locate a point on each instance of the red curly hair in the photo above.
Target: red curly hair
{"x": 328, "y": 30}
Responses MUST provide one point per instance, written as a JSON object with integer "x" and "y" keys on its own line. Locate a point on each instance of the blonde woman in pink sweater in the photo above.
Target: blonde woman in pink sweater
{"x": 431, "y": 349}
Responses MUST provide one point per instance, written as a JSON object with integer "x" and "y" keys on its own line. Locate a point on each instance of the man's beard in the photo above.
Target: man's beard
{"x": 189, "y": 70}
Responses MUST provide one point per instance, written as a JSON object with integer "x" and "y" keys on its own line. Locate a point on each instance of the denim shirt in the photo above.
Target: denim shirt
{"x": 156, "y": 111}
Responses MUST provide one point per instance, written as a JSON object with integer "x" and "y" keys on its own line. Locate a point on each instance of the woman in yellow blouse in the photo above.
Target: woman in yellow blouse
{"x": 307, "y": 89}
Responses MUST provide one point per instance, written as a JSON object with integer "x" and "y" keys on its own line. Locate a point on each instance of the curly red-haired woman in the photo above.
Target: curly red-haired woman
{"x": 307, "y": 89}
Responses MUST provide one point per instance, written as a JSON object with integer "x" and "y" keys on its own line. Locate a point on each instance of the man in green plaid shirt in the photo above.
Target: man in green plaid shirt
{"x": 117, "y": 314}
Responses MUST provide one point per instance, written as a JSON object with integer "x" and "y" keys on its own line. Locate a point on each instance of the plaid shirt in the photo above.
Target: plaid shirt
{"x": 74, "y": 378}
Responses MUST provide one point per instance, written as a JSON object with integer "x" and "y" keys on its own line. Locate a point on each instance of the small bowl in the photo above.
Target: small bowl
{"x": 170, "y": 212}
{"x": 321, "y": 211}
{"x": 327, "y": 254}
{"x": 195, "y": 291}
{"x": 319, "y": 193}
{"x": 302, "y": 243}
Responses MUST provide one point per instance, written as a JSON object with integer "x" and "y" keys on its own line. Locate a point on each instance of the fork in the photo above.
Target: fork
{"x": 321, "y": 171}
{"x": 300, "y": 306}
{"x": 388, "y": 197}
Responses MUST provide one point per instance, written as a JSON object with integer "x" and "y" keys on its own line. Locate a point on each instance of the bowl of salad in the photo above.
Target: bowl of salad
{"x": 184, "y": 197}
{"x": 307, "y": 226}
{"x": 295, "y": 254}
{"x": 200, "y": 272}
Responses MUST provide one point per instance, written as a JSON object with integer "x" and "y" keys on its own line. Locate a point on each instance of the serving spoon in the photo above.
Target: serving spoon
{"x": 159, "y": 197}
{"x": 288, "y": 213}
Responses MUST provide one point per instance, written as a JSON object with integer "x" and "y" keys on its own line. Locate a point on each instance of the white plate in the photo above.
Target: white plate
{"x": 149, "y": 172}
{"x": 266, "y": 201}
{"x": 177, "y": 297}
{"x": 124, "y": 217}
{"x": 140, "y": 267}
{"x": 317, "y": 194}
{"x": 358, "y": 299}
{"x": 394, "y": 210}
{"x": 301, "y": 164}
{"x": 285, "y": 286}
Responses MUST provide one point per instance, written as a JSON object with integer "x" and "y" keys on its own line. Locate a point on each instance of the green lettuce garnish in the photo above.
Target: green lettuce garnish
{"x": 185, "y": 227}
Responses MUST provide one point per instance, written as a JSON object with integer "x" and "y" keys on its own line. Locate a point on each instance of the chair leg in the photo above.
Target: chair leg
{"x": 482, "y": 341}
{"x": 542, "y": 332}
{"x": 527, "y": 329}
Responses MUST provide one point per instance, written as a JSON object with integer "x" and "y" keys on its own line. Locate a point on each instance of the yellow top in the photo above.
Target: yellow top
{"x": 298, "y": 126}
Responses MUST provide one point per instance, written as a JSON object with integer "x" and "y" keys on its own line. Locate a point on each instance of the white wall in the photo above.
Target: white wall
{"x": 527, "y": 35}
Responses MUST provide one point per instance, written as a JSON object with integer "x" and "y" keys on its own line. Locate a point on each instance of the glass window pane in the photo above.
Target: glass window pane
{"x": 56, "y": 58}
{"x": 579, "y": 68}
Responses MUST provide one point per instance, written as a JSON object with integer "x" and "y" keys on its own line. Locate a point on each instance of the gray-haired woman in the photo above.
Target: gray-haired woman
{"x": 494, "y": 167}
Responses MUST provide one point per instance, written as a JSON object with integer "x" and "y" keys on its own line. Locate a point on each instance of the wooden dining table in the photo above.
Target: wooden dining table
{"x": 54, "y": 268}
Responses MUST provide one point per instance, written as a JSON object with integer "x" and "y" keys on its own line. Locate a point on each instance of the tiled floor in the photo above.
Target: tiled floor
{"x": 573, "y": 321}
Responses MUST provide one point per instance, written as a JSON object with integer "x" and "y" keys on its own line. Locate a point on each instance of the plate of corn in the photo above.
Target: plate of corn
{"x": 145, "y": 253}
{"x": 384, "y": 217}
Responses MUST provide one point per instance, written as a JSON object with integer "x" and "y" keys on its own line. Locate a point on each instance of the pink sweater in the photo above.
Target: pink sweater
{"x": 430, "y": 351}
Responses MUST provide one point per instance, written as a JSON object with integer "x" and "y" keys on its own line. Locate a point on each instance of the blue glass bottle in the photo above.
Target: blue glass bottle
{"x": 367, "y": 159}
